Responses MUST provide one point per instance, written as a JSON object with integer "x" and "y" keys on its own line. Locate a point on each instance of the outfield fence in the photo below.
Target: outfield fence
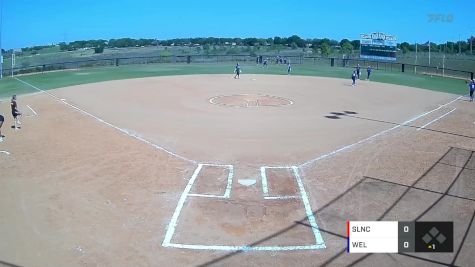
{"x": 243, "y": 59}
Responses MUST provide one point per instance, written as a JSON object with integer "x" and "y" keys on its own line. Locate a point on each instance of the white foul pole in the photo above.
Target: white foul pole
{"x": 13, "y": 61}
{"x": 415, "y": 62}
{"x": 443, "y": 65}
{"x": 471, "y": 39}
{"x": 429, "y": 53}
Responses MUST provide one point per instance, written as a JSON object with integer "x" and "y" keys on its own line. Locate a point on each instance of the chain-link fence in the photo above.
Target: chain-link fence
{"x": 245, "y": 59}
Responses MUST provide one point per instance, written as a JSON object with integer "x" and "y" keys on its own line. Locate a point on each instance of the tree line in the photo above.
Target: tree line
{"x": 323, "y": 46}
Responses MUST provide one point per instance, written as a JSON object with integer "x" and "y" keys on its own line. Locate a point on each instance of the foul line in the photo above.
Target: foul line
{"x": 376, "y": 135}
{"x": 125, "y": 131}
{"x": 425, "y": 125}
{"x": 308, "y": 209}
{"x": 34, "y": 112}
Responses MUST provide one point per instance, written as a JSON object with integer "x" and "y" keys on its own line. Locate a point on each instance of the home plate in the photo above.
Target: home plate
{"x": 247, "y": 182}
{"x": 8, "y": 153}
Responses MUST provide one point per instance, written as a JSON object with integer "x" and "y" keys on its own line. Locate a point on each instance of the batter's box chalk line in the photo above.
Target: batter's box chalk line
{"x": 227, "y": 192}
{"x": 265, "y": 187}
{"x": 319, "y": 243}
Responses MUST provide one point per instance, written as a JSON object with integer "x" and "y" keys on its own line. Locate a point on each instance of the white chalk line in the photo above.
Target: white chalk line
{"x": 208, "y": 196}
{"x": 281, "y": 197}
{"x": 320, "y": 244}
{"x": 125, "y": 131}
{"x": 173, "y": 222}
{"x": 32, "y": 110}
{"x": 427, "y": 124}
{"x": 227, "y": 192}
{"x": 265, "y": 187}
{"x": 308, "y": 209}
{"x": 376, "y": 135}
{"x": 247, "y": 248}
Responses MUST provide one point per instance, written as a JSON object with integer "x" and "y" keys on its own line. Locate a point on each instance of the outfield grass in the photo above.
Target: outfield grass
{"x": 51, "y": 80}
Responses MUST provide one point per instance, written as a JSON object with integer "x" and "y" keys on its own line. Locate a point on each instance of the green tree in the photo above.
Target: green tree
{"x": 405, "y": 47}
{"x": 347, "y": 48}
{"x": 206, "y": 49}
{"x": 99, "y": 50}
{"x": 325, "y": 49}
{"x": 297, "y": 40}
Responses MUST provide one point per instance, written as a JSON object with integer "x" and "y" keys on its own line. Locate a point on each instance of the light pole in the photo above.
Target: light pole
{"x": 471, "y": 40}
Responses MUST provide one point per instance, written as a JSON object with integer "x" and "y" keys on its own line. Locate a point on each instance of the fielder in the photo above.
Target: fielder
{"x": 358, "y": 71}
{"x": 237, "y": 70}
{"x": 368, "y": 70}
{"x": 353, "y": 78}
{"x": 15, "y": 113}
{"x": 2, "y": 119}
{"x": 471, "y": 87}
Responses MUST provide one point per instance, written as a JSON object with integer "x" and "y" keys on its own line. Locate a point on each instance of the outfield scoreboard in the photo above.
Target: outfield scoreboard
{"x": 396, "y": 237}
{"x": 378, "y": 46}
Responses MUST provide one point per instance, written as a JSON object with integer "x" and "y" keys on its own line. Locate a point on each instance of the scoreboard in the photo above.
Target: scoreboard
{"x": 395, "y": 237}
{"x": 378, "y": 46}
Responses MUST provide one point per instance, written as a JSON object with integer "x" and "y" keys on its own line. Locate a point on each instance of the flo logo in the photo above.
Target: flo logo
{"x": 444, "y": 18}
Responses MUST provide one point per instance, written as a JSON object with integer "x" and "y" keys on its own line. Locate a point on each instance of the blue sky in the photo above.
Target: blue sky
{"x": 35, "y": 22}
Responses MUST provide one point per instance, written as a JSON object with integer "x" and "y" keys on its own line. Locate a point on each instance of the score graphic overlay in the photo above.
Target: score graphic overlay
{"x": 395, "y": 237}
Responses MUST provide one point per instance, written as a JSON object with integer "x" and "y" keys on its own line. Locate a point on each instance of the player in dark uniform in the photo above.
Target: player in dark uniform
{"x": 15, "y": 113}
{"x": 237, "y": 70}
{"x": 358, "y": 71}
{"x": 353, "y": 78}
{"x": 471, "y": 86}
{"x": 369, "y": 70}
{"x": 2, "y": 119}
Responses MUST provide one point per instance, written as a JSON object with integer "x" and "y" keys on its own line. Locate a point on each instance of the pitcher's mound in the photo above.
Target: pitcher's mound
{"x": 250, "y": 100}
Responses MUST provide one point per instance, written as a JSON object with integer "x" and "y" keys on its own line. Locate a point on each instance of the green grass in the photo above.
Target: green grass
{"x": 51, "y": 80}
